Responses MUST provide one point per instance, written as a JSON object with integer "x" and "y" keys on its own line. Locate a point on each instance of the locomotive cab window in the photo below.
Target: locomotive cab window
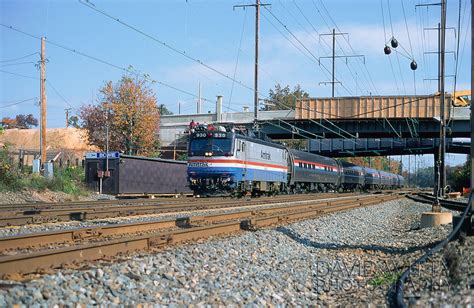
{"x": 217, "y": 146}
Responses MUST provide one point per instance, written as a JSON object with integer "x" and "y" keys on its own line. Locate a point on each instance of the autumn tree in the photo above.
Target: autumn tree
{"x": 22, "y": 121}
{"x": 129, "y": 108}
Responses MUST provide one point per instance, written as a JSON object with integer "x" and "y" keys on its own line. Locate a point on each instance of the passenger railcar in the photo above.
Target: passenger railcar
{"x": 353, "y": 177}
{"x": 311, "y": 172}
{"x": 372, "y": 179}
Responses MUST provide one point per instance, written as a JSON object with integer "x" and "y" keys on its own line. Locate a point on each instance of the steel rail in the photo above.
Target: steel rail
{"x": 208, "y": 225}
{"x": 81, "y": 214}
{"x": 33, "y": 206}
{"x": 72, "y": 235}
{"x": 448, "y": 204}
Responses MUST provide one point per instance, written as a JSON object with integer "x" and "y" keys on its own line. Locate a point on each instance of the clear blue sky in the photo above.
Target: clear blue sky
{"x": 211, "y": 31}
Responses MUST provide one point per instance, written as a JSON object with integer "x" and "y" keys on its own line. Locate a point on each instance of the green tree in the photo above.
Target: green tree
{"x": 281, "y": 98}
{"x": 459, "y": 176}
{"x": 164, "y": 110}
{"x": 73, "y": 121}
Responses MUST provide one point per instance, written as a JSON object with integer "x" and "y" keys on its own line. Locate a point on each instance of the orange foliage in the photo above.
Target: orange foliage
{"x": 133, "y": 116}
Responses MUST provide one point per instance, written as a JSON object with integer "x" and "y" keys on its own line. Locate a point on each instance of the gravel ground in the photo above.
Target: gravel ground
{"x": 344, "y": 258}
{"x": 27, "y": 196}
{"x": 446, "y": 277}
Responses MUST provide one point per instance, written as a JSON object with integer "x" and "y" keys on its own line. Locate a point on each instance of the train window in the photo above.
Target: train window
{"x": 239, "y": 144}
{"x": 300, "y": 165}
{"x": 305, "y": 165}
{"x": 243, "y": 146}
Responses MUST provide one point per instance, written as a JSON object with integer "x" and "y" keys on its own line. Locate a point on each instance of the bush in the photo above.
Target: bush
{"x": 69, "y": 180}
{"x": 9, "y": 177}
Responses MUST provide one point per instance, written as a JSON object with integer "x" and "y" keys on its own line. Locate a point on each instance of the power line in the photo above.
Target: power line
{"x": 19, "y": 63}
{"x": 20, "y": 102}
{"x": 164, "y": 44}
{"x": 19, "y": 58}
{"x": 303, "y": 45}
{"x": 364, "y": 69}
{"x": 237, "y": 60}
{"x": 59, "y": 94}
{"x": 19, "y": 75}
{"x": 130, "y": 71}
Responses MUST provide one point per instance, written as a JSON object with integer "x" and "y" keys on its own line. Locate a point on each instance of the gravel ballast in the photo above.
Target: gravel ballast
{"x": 351, "y": 257}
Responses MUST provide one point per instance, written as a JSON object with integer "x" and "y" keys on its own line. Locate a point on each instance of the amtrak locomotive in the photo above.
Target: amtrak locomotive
{"x": 223, "y": 162}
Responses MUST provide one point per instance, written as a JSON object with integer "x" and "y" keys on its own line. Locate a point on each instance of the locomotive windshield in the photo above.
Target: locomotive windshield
{"x": 216, "y": 146}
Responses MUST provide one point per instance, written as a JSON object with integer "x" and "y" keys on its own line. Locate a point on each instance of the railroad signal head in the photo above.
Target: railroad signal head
{"x": 387, "y": 50}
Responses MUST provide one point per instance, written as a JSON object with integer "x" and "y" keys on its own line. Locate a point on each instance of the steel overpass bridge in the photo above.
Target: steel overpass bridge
{"x": 408, "y": 124}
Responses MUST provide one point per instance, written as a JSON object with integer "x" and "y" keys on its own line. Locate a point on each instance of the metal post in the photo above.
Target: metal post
{"x": 472, "y": 114}
{"x": 107, "y": 144}
{"x": 43, "y": 100}
{"x": 439, "y": 58}
{"x": 333, "y": 59}
{"x": 257, "y": 23}
{"x": 443, "y": 101}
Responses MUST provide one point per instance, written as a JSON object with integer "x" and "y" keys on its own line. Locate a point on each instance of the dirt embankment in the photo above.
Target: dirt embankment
{"x": 72, "y": 139}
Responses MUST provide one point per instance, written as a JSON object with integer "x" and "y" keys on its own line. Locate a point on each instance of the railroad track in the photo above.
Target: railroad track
{"x": 429, "y": 199}
{"x": 70, "y": 212}
{"x": 89, "y": 244}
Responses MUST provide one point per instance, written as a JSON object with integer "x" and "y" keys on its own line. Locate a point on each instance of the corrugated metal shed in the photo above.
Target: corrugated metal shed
{"x": 135, "y": 175}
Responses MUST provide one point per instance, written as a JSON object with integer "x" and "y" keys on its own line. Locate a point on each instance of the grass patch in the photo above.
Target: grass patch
{"x": 69, "y": 180}
{"x": 385, "y": 278}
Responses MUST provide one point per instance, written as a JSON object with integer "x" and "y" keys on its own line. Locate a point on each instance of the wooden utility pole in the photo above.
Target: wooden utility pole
{"x": 257, "y": 6}
{"x": 67, "y": 116}
{"x": 43, "y": 101}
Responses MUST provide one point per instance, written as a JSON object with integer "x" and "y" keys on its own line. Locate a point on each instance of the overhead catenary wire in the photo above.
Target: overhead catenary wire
{"x": 304, "y": 46}
{"x": 19, "y": 58}
{"x": 164, "y": 44}
{"x": 127, "y": 70}
{"x": 237, "y": 60}
{"x": 19, "y": 75}
{"x": 18, "y": 102}
{"x": 362, "y": 65}
{"x": 385, "y": 38}
{"x": 59, "y": 94}
{"x": 316, "y": 39}
{"x": 19, "y": 63}
{"x": 398, "y": 58}
{"x": 353, "y": 74}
